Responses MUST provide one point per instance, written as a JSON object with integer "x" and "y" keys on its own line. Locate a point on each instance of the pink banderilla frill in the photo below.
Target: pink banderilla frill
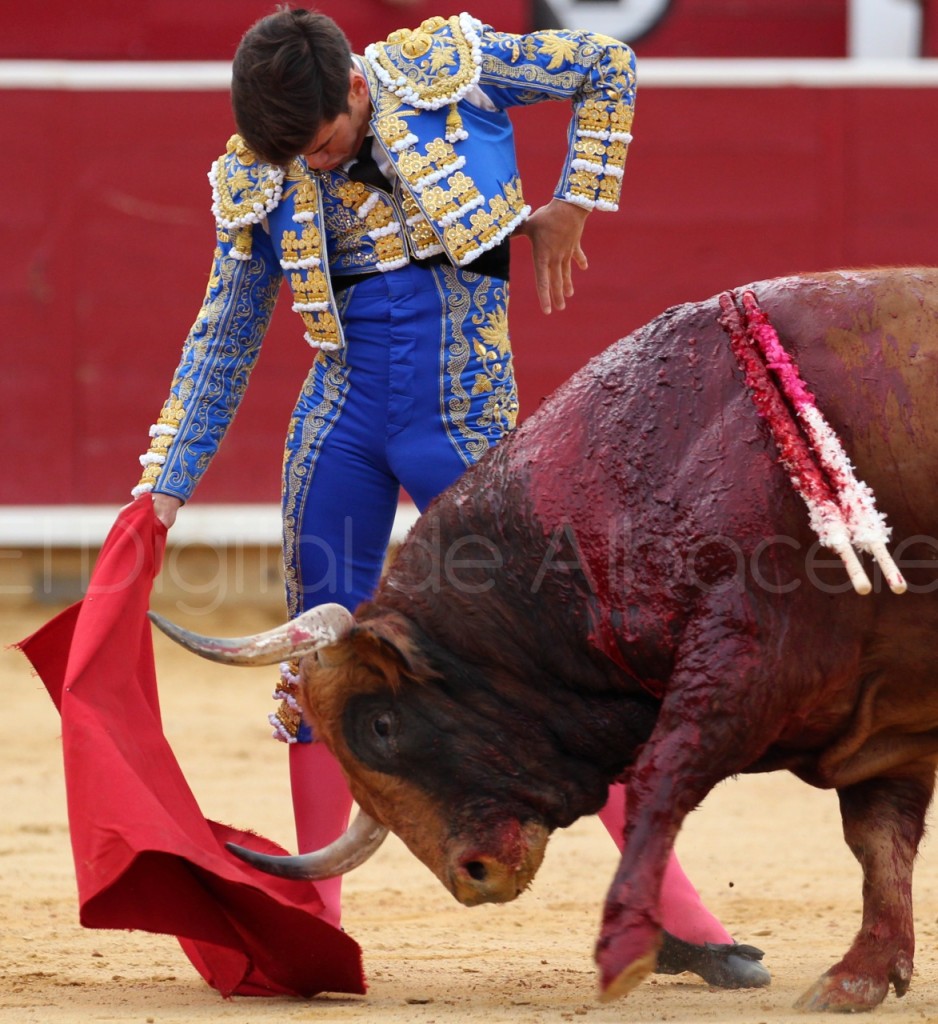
{"x": 841, "y": 508}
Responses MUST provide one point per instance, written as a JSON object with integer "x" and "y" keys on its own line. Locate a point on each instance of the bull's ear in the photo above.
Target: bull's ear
{"x": 397, "y": 636}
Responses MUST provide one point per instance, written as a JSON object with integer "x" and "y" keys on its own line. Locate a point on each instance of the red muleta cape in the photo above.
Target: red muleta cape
{"x": 145, "y": 856}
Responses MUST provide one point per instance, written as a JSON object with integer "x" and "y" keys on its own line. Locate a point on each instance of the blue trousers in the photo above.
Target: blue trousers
{"x": 422, "y": 388}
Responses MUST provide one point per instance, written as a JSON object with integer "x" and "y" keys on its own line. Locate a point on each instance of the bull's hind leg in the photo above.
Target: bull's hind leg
{"x": 883, "y": 821}
{"x": 708, "y": 729}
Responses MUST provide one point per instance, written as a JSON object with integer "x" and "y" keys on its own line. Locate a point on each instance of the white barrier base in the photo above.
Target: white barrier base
{"x": 83, "y": 526}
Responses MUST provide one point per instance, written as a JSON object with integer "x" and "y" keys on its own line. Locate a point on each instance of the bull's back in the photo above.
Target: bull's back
{"x": 664, "y": 417}
{"x": 656, "y": 466}
{"x": 867, "y": 346}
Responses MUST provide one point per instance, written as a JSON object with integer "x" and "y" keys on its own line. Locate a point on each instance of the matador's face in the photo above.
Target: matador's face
{"x": 339, "y": 141}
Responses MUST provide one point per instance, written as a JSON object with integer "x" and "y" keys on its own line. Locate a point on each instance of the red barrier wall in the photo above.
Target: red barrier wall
{"x": 766, "y": 28}
{"x": 185, "y": 30}
{"x": 108, "y": 238}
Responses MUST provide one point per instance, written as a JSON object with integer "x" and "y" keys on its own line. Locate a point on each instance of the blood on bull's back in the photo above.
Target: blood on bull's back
{"x": 654, "y": 462}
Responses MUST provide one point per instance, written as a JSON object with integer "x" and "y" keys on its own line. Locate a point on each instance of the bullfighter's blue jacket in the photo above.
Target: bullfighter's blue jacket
{"x": 456, "y": 191}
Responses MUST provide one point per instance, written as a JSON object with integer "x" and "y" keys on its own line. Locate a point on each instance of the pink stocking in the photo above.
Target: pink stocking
{"x": 321, "y": 806}
{"x": 682, "y": 911}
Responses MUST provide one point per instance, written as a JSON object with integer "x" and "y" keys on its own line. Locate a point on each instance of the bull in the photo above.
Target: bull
{"x": 636, "y": 585}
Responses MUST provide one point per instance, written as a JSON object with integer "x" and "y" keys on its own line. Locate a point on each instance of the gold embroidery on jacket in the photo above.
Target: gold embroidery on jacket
{"x": 307, "y": 245}
{"x": 439, "y": 200}
{"x": 163, "y": 434}
{"x": 451, "y": 68}
{"x": 303, "y": 254}
{"x": 482, "y": 228}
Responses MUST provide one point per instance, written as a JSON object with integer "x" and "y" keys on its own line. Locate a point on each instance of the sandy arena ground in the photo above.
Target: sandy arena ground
{"x": 766, "y": 852}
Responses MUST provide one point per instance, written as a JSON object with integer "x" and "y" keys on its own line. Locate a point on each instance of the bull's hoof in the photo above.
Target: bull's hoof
{"x": 625, "y": 958}
{"x": 843, "y": 993}
{"x": 622, "y": 983}
{"x": 722, "y": 965}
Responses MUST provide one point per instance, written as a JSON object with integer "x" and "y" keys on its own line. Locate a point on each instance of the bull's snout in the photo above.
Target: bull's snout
{"x": 486, "y": 880}
{"x": 478, "y": 877}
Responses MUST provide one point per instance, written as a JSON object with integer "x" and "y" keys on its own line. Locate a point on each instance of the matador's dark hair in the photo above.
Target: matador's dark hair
{"x": 290, "y": 75}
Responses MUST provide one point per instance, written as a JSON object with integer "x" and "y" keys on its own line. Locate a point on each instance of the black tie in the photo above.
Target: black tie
{"x": 366, "y": 170}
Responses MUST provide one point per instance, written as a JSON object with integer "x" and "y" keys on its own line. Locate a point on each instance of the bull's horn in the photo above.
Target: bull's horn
{"x": 315, "y": 628}
{"x": 351, "y": 849}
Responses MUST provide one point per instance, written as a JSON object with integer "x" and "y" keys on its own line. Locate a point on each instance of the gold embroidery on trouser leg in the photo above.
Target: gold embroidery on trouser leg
{"x": 287, "y": 719}
{"x": 327, "y": 383}
{"x": 477, "y": 316}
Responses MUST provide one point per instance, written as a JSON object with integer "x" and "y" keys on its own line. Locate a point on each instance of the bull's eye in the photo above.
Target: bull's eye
{"x": 374, "y": 729}
{"x": 383, "y": 725}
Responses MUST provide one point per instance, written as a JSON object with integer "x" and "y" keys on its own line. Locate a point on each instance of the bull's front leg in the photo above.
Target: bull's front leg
{"x": 631, "y": 935}
{"x": 883, "y": 824}
{"x": 707, "y": 730}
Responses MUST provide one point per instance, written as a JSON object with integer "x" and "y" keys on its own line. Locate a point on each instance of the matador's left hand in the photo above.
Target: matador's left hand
{"x": 555, "y": 231}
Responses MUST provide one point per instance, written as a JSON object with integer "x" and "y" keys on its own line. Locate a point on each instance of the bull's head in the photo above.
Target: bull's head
{"x": 356, "y": 678}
